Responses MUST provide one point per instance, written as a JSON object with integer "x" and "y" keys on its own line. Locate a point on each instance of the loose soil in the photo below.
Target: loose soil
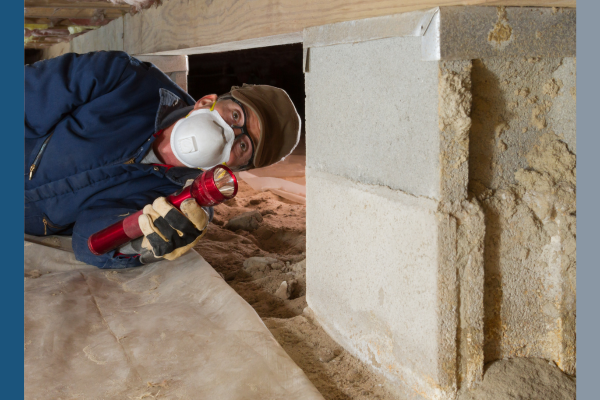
{"x": 334, "y": 372}
{"x": 523, "y": 379}
{"x": 282, "y": 236}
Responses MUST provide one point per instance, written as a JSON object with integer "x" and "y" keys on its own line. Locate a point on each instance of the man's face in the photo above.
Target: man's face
{"x": 233, "y": 114}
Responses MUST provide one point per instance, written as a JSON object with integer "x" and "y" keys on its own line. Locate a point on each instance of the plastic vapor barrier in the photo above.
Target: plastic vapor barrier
{"x": 169, "y": 330}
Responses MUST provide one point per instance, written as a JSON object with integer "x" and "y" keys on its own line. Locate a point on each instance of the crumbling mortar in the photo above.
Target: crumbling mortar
{"x": 527, "y": 191}
{"x": 547, "y": 196}
{"x": 454, "y": 123}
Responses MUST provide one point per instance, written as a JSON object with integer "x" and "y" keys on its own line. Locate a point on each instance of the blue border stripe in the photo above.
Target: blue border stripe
{"x": 11, "y": 295}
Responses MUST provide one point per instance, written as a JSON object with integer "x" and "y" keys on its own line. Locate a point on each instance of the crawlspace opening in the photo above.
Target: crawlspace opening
{"x": 257, "y": 240}
{"x": 32, "y": 56}
{"x": 279, "y": 66}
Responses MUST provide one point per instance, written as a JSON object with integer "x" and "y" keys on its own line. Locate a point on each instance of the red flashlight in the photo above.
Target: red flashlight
{"x": 209, "y": 189}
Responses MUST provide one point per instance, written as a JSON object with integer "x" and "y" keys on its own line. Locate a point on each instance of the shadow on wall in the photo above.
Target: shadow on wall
{"x": 488, "y": 108}
{"x": 523, "y": 174}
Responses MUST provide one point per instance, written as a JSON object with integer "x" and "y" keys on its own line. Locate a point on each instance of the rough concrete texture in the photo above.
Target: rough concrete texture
{"x": 393, "y": 300}
{"x": 562, "y": 114}
{"x": 461, "y": 237}
{"x": 522, "y": 170}
{"x": 523, "y": 378}
{"x": 355, "y": 294}
{"x": 462, "y": 258}
{"x": 454, "y": 122}
{"x": 371, "y": 114}
{"x": 441, "y": 210}
{"x": 414, "y": 196}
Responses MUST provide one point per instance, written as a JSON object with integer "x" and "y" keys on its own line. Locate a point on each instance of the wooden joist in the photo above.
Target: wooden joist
{"x": 75, "y": 4}
{"x": 80, "y": 13}
{"x": 180, "y": 25}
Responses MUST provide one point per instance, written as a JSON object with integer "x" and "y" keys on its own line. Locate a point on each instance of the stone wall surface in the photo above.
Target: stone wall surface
{"x": 400, "y": 247}
{"x": 522, "y": 170}
{"x": 375, "y": 246}
{"x": 441, "y": 214}
{"x": 441, "y": 210}
{"x": 372, "y": 108}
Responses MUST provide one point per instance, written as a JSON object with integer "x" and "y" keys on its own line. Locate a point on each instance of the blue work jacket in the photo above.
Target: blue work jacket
{"x": 89, "y": 121}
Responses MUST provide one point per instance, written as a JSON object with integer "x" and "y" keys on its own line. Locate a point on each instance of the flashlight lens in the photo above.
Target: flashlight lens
{"x": 224, "y": 182}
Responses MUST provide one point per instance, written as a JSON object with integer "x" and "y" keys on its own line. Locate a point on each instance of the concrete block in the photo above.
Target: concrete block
{"x": 562, "y": 116}
{"x": 382, "y": 280}
{"x": 522, "y": 168}
{"x": 441, "y": 197}
{"x": 373, "y": 281}
{"x": 372, "y": 114}
{"x": 469, "y": 33}
{"x": 387, "y": 155}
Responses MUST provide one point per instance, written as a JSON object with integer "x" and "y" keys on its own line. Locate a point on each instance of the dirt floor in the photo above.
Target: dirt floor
{"x": 257, "y": 241}
{"x": 275, "y": 253}
{"x": 523, "y": 379}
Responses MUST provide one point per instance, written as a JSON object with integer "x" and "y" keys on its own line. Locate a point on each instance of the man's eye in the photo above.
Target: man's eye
{"x": 236, "y": 116}
{"x": 243, "y": 146}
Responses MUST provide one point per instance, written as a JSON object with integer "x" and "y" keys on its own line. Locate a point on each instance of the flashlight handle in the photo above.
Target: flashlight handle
{"x": 127, "y": 229}
{"x": 203, "y": 190}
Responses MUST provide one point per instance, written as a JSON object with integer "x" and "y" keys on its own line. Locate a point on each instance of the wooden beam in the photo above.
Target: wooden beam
{"x": 180, "y": 78}
{"x": 182, "y": 25}
{"x": 81, "y": 13}
{"x": 55, "y": 50}
{"x": 75, "y": 4}
{"x": 39, "y": 46}
{"x": 168, "y": 63}
{"x": 108, "y": 37}
{"x": 38, "y": 21}
{"x": 277, "y": 40}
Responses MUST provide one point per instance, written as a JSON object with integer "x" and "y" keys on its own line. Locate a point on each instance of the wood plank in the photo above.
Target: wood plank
{"x": 180, "y": 78}
{"x": 108, "y": 37}
{"x": 82, "y": 13}
{"x": 38, "y": 21}
{"x": 180, "y": 25}
{"x": 40, "y": 46}
{"x": 74, "y": 4}
{"x": 56, "y": 50}
{"x": 286, "y": 38}
{"x": 168, "y": 63}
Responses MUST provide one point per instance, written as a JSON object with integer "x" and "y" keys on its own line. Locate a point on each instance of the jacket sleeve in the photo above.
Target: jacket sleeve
{"x": 99, "y": 217}
{"x": 56, "y": 87}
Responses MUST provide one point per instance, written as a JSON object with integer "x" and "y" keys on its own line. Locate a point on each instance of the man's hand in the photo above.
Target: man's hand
{"x": 169, "y": 233}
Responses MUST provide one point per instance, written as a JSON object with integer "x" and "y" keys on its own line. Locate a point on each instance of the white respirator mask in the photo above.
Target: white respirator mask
{"x": 202, "y": 139}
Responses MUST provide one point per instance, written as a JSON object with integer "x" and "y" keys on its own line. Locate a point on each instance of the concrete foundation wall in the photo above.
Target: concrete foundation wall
{"x": 384, "y": 211}
{"x": 377, "y": 101}
{"x": 375, "y": 245}
{"x": 441, "y": 215}
{"x": 522, "y": 170}
{"x": 441, "y": 196}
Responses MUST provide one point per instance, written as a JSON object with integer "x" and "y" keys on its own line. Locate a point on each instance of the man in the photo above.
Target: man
{"x": 107, "y": 135}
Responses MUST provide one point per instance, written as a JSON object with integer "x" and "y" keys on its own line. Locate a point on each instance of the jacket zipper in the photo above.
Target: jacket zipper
{"x": 36, "y": 161}
{"x": 38, "y": 157}
{"x": 47, "y": 224}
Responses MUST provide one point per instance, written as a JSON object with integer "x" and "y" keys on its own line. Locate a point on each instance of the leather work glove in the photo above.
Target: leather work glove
{"x": 168, "y": 232}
